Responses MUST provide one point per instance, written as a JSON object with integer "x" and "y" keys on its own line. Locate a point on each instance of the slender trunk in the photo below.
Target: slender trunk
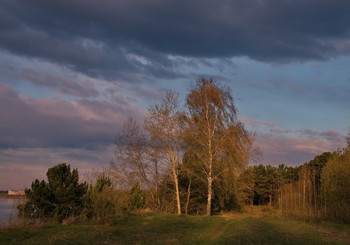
{"x": 315, "y": 195}
{"x": 188, "y": 196}
{"x": 210, "y": 180}
{"x": 279, "y": 197}
{"x": 210, "y": 176}
{"x": 270, "y": 196}
{"x": 157, "y": 185}
{"x": 304, "y": 191}
{"x": 252, "y": 198}
{"x": 177, "y": 192}
{"x": 292, "y": 200}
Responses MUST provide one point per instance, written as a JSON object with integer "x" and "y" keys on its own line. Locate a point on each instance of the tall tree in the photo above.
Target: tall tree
{"x": 163, "y": 124}
{"x": 219, "y": 139}
{"x": 138, "y": 161}
{"x": 131, "y": 147}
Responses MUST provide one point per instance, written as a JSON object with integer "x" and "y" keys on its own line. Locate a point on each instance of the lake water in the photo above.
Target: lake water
{"x": 8, "y": 210}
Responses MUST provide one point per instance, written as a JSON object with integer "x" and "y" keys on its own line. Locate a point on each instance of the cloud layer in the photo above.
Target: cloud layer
{"x": 115, "y": 38}
{"x": 71, "y": 72}
{"x": 29, "y": 122}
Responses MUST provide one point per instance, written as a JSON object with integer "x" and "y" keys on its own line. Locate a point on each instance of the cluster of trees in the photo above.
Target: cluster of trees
{"x": 193, "y": 161}
{"x": 193, "y": 156}
{"x": 318, "y": 189}
{"x": 63, "y": 197}
{"x": 59, "y": 198}
{"x": 260, "y": 184}
{"x": 183, "y": 161}
{"x": 322, "y": 189}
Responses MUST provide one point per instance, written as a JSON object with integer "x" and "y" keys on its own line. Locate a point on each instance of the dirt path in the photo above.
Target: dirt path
{"x": 219, "y": 233}
{"x": 331, "y": 234}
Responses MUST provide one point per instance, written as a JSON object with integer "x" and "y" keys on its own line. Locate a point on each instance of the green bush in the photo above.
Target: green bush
{"x": 60, "y": 198}
{"x": 137, "y": 199}
{"x": 101, "y": 200}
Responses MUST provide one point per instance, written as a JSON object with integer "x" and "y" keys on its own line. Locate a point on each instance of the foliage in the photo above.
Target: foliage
{"x": 102, "y": 182}
{"x": 214, "y": 134}
{"x": 137, "y": 199}
{"x": 164, "y": 127}
{"x": 336, "y": 186}
{"x": 58, "y": 199}
{"x": 138, "y": 161}
{"x": 247, "y": 186}
{"x": 101, "y": 200}
{"x": 193, "y": 189}
{"x": 267, "y": 181}
{"x": 131, "y": 151}
{"x": 301, "y": 197}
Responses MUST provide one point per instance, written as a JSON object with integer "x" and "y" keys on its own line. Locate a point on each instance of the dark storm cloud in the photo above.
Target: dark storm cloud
{"x": 95, "y": 37}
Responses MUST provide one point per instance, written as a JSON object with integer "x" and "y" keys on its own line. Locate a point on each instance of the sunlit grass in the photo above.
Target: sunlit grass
{"x": 154, "y": 228}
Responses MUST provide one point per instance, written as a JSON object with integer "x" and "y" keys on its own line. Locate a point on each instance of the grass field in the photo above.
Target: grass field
{"x": 153, "y": 228}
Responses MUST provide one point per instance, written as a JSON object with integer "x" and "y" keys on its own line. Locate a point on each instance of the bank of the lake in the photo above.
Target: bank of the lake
{"x": 8, "y": 210}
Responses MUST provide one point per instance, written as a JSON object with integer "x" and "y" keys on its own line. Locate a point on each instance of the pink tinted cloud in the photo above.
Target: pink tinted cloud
{"x": 294, "y": 150}
{"x": 254, "y": 122}
{"x": 330, "y": 135}
{"x": 281, "y": 131}
{"x": 29, "y": 122}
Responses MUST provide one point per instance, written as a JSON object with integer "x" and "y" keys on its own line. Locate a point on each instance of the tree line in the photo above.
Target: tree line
{"x": 193, "y": 160}
{"x": 318, "y": 189}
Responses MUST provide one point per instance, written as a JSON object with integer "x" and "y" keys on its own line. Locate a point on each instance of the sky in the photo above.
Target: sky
{"x": 72, "y": 72}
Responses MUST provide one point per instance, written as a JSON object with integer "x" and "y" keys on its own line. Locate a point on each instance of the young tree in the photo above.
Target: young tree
{"x": 219, "y": 139}
{"x": 58, "y": 199}
{"x": 130, "y": 151}
{"x": 101, "y": 200}
{"x": 163, "y": 124}
{"x": 138, "y": 163}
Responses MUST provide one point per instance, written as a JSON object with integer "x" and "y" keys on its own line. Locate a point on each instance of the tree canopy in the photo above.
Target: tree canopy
{"x": 216, "y": 136}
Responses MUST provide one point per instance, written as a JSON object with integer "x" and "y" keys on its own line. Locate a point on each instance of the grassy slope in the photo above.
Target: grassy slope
{"x": 172, "y": 229}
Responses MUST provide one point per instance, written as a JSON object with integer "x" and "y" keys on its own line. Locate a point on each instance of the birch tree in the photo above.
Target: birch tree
{"x": 131, "y": 145}
{"x": 163, "y": 124}
{"x": 221, "y": 142}
{"x": 138, "y": 160}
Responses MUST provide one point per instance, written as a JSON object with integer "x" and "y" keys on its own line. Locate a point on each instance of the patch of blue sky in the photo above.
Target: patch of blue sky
{"x": 31, "y": 90}
{"x": 295, "y": 95}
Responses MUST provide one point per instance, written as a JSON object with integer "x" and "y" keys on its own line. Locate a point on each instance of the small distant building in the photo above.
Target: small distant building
{"x": 15, "y": 193}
